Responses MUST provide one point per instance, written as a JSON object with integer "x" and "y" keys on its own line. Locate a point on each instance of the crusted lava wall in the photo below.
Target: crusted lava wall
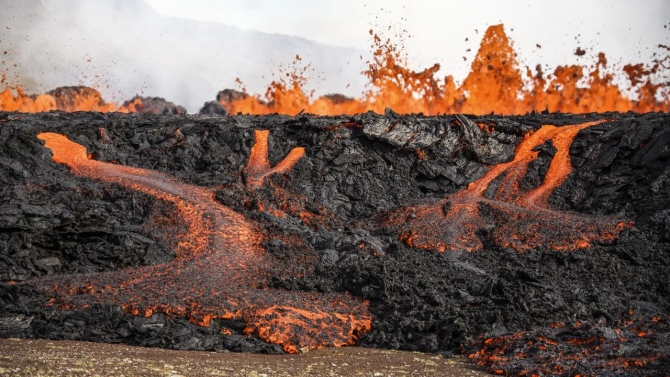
{"x": 339, "y": 221}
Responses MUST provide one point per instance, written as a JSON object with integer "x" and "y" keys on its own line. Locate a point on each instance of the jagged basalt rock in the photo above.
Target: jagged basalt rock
{"x": 331, "y": 206}
{"x": 154, "y": 105}
{"x": 213, "y": 108}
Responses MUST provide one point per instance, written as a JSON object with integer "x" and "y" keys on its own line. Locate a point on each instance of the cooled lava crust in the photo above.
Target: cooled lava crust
{"x": 510, "y": 239}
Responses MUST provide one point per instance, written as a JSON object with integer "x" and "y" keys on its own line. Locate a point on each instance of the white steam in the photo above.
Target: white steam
{"x": 124, "y": 47}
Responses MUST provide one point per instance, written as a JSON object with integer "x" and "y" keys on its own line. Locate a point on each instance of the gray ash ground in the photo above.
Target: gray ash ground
{"x": 356, "y": 168}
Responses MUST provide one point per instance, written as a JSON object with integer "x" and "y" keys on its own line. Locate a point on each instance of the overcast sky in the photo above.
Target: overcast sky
{"x": 626, "y": 30}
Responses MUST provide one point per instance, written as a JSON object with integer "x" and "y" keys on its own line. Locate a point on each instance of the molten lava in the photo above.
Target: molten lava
{"x": 495, "y": 83}
{"x": 258, "y": 166}
{"x": 580, "y": 349}
{"x": 521, "y": 220}
{"x": 63, "y": 99}
{"x": 220, "y": 271}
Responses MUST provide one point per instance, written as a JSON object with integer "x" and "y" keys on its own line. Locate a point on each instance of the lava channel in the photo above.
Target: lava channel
{"x": 221, "y": 270}
{"x": 516, "y": 219}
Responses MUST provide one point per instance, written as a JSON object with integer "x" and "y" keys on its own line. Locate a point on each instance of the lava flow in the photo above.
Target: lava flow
{"x": 258, "y": 167}
{"x": 580, "y": 349}
{"x": 518, "y": 219}
{"x": 220, "y": 271}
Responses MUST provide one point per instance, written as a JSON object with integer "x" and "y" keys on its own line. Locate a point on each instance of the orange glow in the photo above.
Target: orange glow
{"x": 70, "y": 100}
{"x": 520, "y": 220}
{"x": 258, "y": 166}
{"x": 496, "y": 83}
{"x": 585, "y": 351}
{"x": 25, "y": 104}
{"x": 221, "y": 270}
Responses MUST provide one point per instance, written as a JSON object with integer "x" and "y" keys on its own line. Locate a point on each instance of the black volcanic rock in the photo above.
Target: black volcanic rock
{"x": 230, "y": 95}
{"x": 223, "y": 98}
{"x": 334, "y": 202}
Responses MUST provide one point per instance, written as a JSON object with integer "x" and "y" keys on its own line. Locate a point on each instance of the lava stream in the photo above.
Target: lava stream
{"x": 220, "y": 271}
{"x": 516, "y": 219}
{"x": 258, "y": 166}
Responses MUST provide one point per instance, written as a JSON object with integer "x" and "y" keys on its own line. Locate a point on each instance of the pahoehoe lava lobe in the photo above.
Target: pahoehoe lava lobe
{"x": 521, "y": 220}
{"x": 221, "y": 271}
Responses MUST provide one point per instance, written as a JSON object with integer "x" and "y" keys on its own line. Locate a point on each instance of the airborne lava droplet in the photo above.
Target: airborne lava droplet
{"x": 521, "y": 220}
{"x": 220, "y": 271}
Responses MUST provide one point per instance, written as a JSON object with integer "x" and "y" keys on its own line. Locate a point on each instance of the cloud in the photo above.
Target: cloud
{"x": 124, "y": 47}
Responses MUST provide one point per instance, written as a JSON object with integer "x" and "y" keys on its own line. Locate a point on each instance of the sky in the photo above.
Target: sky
{"x": 446, "y": 32}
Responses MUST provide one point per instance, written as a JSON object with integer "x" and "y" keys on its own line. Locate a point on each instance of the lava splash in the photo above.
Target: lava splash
{"x": 513, "y": 217}
{"x": 221, "y": 270}
{"x": 67, "y": 99}
{"x": 497, "y": 82}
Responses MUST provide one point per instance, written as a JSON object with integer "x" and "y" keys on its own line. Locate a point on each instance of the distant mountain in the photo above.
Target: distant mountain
{"x": 125, "y": 47}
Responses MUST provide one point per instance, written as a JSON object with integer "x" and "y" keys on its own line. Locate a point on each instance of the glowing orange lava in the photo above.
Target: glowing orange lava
{"x": 516, "y": 219}
{"x": 220, "y": 271}
{"x": 63, "y": 99}
{"x": 258, "y": 166}
{"x": 575, "y": 348}
{"x": 496, "y": 83}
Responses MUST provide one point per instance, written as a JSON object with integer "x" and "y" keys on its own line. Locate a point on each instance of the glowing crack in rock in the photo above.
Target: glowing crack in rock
{"x": 516, "y": 219}
{"x": 258, "y": 166}
{"x": 220, "y": 271}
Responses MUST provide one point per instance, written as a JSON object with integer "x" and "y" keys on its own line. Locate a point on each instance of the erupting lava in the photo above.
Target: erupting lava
{"x": 220, "y": 270}
{"x": 515, "y": 218}
{"x": 64, "y": 99}
{"x": 495, "y": 84}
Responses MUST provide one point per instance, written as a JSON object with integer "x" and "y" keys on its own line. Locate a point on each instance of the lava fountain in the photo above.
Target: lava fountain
{"x": 496, "y": 83}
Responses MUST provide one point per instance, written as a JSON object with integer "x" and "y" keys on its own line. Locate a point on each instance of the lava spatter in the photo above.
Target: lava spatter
{"x": 220, "y": 271}
{"x": 496, "y": 82}
{"x": 514, "y": 218}
{"x": 62, "y": 99}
